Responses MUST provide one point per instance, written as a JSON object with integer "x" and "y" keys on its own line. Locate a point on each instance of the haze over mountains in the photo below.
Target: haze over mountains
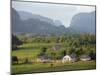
{"x": 25, "y": 22}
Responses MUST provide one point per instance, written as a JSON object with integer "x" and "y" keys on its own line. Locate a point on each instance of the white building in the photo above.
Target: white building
{"x": 66, "y": 59}
{"x": 69, "y": 58}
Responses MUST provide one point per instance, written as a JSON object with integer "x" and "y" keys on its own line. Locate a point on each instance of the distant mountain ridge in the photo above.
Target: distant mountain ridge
{"x": 26, "y": 15}
{"x": 84, "y": 22}
{"x": 35, "y": 24}
{"x": 25, "y": 22}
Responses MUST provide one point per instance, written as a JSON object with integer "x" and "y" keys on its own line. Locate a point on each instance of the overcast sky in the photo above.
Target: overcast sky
{"x": 61, "y": 12}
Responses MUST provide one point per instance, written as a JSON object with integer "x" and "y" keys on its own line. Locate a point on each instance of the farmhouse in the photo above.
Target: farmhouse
{"x": 57, "y": 47}
{"x": 69, "y": 58}
{"x": 85, "y": 58}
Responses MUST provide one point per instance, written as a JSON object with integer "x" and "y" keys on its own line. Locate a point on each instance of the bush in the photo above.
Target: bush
{"x": 14, "y": 59}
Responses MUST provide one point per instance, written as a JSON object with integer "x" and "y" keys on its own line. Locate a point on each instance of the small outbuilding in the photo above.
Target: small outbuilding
{"x": 85, "y": 58}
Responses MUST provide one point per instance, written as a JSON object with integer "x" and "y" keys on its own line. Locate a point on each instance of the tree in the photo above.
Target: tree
{"x": 70, "y": 50}
{"x": 92, "y": 54}
{"x": 53, "y": 55}
{"x": 79, "y": 52}
{"x": 63, "y": 53}
{"x": 15, "y": 42}
{"x": 43, "y": 51}
{"x": 14, "y": 59}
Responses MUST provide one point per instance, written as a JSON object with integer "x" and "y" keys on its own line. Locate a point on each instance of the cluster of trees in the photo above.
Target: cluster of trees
{"x": 79, "y": 45}
{"x": 84, "y": 38}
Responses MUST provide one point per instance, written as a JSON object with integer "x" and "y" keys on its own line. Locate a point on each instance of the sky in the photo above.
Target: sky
{"x": 61, "y": 12}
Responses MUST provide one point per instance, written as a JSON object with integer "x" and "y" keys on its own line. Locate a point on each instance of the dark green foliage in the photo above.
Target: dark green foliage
{"x": 26, "y": 61}
{"x": 14, "y": 60}
{"x": 70, "y": 51}
{"x": 64, "y": 52}
{"x": 79, "y": 51}
{"x": 92, "y": 54}
{"x": 53, "y": 54}
{"x": 43, "y": 51}
{"x": 15, "y": 42}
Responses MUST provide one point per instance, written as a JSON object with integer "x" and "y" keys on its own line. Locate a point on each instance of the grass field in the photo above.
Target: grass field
{"x": 31, "y": 51}
{"x": 45, "y": 67}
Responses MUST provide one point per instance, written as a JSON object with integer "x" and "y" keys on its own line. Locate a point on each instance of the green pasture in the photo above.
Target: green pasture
{"x": 46, "y": 67}
{"x": 30, "y": 50}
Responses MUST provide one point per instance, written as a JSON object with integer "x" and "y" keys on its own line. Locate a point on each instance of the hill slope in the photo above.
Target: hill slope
{"x": 83, "y": 23}
{"x": 35, "y": 24}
